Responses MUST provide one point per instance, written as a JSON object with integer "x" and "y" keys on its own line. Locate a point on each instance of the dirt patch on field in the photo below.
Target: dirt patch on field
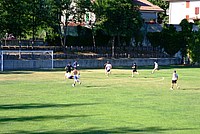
{"x": 7, "y": 78}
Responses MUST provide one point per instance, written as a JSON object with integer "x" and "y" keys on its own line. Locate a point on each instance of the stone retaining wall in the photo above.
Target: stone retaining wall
{"x": 87, "y": 63}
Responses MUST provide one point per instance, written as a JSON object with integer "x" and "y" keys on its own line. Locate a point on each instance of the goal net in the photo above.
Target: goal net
{"x": 26, "y": 59}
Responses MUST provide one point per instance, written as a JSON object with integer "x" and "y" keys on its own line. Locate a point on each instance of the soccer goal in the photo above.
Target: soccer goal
{"x": 26, "y": 59}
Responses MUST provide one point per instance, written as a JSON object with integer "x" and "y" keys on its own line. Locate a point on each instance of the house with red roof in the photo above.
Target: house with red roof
{"x": 149, "y": 11}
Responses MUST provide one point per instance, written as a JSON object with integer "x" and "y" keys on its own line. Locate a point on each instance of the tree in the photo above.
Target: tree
{"x": 185, "y": 37}
{"x": 154, "y": 38}
{"x": 36, "y": 15}
{"x": 56, "y": 9}
{"x": 25, "y": 17}
{"x": 163, "y": 4}
{"x": 116, "y": 18}
{"x": 2, "y": 20}
{"x": 14, "y": 18}
{"x": 194, "y": 47}
{"x": 169, "y": 39}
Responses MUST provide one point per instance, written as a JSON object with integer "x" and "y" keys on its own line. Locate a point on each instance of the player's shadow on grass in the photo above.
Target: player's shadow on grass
{"x": 110, "y": 131}
{"x": 190, "y": 88}
{"x": 92, "y": 86}
{"x": 39, "y": 118}
{"x": 16, "y": 72}
{"x": 39, "y": 105}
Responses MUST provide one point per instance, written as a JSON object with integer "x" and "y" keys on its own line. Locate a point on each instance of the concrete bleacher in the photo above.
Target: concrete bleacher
{"x": 87, "y": 52}
{"x": 120, "y": 52}
{"x": 106, "y": 52}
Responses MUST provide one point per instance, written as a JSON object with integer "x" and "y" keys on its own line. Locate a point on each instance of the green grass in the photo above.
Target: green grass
{"x": 43, "y": 102}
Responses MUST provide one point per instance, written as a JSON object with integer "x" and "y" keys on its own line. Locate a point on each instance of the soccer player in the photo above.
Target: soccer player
{"x": 108, "y": 68}
{"x": 155, "y": 67}
{"x": 174, "y": 80}
{"x": 69, "y": 76}
{"x": 76, "y": 75}
{"x": 105, "y": 67}
{"x": 75, "y": 64}
{"x": 68, "y": 69}
{"x": 134, "y": 67}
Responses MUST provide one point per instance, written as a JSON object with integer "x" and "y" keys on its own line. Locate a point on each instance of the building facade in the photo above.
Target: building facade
{"x": 149, "y": 12}
{"x": 183, "y": 9}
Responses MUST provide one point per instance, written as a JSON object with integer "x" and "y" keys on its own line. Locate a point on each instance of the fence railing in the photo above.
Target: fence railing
{"x": 72, "y": 52}
{"x": 15, "y": 42}
{"x": 99, "y": 49}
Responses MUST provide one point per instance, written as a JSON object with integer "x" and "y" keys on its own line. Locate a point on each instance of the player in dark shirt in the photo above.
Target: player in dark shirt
{"x": 134, "y": 67}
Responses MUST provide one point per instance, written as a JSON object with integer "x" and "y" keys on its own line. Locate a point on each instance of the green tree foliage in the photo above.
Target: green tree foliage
{"x": 194, "y": 47}
{"x": 169, "y": 39}
{"x": 116, "y": 17}
{"x": 37, "y": 15}
{"x": 25, "y": 17}
{"x": 161, "y": 3}
{"x": 55, "y": 9}
{"x": 186, "y": 41}
{"x": 14, "y": 17}
{"x": 154, "y": 38}
{"x": 2, "y": 20}
{"x": 186, "y": 35}
{"x": 81, "y": 8}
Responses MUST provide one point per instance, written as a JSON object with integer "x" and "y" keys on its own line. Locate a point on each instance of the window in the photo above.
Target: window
{"x": 87, "y": 17}
{"x": 196, "y": 10}
{"x": 187, "y": 4}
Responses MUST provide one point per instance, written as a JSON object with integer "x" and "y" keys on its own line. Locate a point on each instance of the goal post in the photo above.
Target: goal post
{"x": 1, "y": 62}
{"x": 26, "y": 59}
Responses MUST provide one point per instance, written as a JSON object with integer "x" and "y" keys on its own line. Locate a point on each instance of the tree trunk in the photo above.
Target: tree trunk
{"x": 65, "y": 40}
{"x": 93, "y": 37}
{"x": 33, "y": 36}
{"x": 34, "y": 24}
{"x": 62, "y": 40}
{"x": 113, "y": 47}
{"x": 118, "y": 40}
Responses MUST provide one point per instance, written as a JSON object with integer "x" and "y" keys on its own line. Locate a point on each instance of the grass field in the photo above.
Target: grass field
{"x": 43, "y": 102}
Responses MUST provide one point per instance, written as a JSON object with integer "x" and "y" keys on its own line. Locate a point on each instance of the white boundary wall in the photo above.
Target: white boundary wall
{"x": 88, "y": 63}
{"x": 127, "y": 62}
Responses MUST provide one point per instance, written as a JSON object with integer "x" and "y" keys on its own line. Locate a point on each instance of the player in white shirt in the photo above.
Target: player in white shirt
{"x": 68, "y": 76}
{"x": 108, "y": 68}
{"x": 155, "y": 67}
{"x": 174, "y": 80}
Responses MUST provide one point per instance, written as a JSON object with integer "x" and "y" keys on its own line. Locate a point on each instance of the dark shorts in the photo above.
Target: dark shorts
{"x": 108, "y": 70}
{"x": 68, "y": 71}
{"x": 70, "y": 77}
{"x": 134, "y": 70}
{"x": 174, "y": 81}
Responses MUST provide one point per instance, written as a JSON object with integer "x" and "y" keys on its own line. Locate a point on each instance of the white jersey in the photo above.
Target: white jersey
{"x": 108, "y": 66}
{"x": 174, "y": 76}
{"x": 156, "y": 65}
{"x": 68, "y": 75}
